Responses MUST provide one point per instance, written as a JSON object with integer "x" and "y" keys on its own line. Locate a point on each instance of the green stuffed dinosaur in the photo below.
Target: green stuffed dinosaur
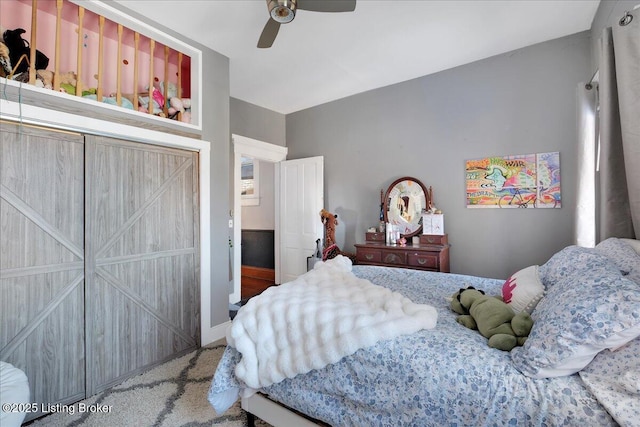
{"x": 492, "y": 317}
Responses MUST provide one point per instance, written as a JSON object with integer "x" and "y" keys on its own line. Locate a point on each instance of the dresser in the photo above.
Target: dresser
{"x": 431, "y": 253}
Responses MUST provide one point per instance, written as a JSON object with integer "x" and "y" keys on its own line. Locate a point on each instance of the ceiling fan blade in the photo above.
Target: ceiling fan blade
{"x": 269, "y": 34}
{"x": 327, "y": 5}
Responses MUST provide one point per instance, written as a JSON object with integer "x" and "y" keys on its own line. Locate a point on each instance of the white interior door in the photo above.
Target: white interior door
{"x": 301, "y": 197}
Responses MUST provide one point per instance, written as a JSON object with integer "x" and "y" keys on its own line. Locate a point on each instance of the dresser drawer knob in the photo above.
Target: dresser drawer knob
{"x": 368, "y": 256}
{"x": 392, "y": 259}
{"x": 422, "y": 261}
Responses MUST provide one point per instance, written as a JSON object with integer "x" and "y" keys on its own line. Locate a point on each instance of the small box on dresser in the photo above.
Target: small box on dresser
{"x": 433, "y": 224}
{"x": 375, "y": 236}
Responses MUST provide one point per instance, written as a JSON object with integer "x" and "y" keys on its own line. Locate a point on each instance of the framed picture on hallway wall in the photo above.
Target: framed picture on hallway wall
{"x": 250, "y": 185}
{"x": 517, "y": 181}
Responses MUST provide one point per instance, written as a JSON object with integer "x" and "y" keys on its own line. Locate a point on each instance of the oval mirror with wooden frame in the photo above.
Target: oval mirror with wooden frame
{"x": 404, "y": 202}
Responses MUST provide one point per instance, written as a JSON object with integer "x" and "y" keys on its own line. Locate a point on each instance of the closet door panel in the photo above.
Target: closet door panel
{"x": 142, "y": 252}
{"x": 42, "y": 261}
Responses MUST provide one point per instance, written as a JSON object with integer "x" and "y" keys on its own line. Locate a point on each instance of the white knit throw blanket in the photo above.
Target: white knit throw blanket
{"x": 317, "y": 319}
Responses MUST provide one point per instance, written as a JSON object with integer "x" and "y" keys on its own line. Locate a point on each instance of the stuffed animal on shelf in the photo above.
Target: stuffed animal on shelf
{"x": 175, "y": 105}
{"x": 155, "y": 96}
{"x": 492, "y": 317}
{"x": 180, "y": 105}
{"x": 20, "y": 52}
{"x": 68, "y": 80}
{"x": 111, "y": 99}
{"x": 5, "y": 61}
{"x": 331, "y": 249}
{"x": 24, "y": 78}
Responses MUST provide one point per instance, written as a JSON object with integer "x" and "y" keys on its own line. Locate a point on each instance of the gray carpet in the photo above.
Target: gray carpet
{"x": 171, "y": 395}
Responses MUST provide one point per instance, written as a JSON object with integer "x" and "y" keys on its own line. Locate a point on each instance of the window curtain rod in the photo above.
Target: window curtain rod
{"x": 624, "y": 21}
{"x": 627, "y": 17}
{"x": 593, "y": 81}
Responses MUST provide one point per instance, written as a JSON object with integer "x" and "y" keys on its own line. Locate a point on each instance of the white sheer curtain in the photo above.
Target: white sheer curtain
{"x": 585, "y": 231}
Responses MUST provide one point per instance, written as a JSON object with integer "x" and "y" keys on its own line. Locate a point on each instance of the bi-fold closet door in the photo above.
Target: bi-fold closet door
{"x": 99, "y": 250}
{"x": 42, "y": 277}
{"x": 141, "y": 257}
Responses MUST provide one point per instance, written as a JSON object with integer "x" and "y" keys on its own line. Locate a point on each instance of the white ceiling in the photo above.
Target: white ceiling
{"x": 320, "y": 57}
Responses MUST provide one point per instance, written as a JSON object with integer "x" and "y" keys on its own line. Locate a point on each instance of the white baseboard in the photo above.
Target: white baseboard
{"x": 214, "y": 333}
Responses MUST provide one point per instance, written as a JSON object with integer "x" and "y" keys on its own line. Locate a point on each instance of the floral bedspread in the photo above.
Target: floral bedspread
{"x": 444, "y": 376}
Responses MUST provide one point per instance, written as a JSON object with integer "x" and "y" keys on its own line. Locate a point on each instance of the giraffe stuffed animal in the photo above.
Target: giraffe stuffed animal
{"x": 330, "y": 248}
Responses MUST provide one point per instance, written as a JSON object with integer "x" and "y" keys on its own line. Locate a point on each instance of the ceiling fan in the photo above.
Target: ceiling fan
{"x": 283, "y": 12}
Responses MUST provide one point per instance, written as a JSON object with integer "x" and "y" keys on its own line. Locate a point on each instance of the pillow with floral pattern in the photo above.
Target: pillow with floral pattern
{"x": 575, "y": 260}
{"x": 580, "y": 315}
{"x": 623, "y": 255}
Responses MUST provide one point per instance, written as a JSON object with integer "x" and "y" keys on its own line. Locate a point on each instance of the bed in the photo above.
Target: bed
{"x": 580, "y": 365}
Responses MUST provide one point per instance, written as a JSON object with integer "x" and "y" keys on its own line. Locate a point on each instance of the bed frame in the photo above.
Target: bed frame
{"x": 276, "y": 414}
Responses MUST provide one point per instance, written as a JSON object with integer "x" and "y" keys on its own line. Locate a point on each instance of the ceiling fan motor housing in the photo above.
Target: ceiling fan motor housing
{"x": 282, "y": 11}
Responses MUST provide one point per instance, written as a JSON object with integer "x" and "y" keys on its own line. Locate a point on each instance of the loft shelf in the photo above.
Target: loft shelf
{"x": 97, "y": 52}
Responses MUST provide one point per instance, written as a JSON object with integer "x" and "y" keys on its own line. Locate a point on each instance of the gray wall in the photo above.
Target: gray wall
{"x": 257, "y": 122}
{"x": 215, "y": 128}
{"x": 262, "y": 217}
{"x": 264, "y": 125}
{"x": 608, "y": 14}
{"x": 516, "y": 103}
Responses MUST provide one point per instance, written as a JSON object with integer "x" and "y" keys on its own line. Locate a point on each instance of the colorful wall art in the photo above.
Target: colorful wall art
{"x": 519, "y": 181}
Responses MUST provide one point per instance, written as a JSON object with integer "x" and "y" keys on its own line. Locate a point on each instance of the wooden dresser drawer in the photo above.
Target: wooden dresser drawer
{"x": 394, "y": 257}
{"x": 369, "y": 255}
{"x": 433, "y": 239}
{"x": 375, "y": 237}
{"x": 429, "y": 256}
{"x": 423, "y": 260}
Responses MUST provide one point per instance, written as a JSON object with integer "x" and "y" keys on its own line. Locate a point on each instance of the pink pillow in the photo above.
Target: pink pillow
{"x": 523, "y": 290}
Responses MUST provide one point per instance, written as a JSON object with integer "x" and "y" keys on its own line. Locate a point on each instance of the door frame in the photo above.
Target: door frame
{"x": 38, "y": 116}
{"x": 265, "y": 152}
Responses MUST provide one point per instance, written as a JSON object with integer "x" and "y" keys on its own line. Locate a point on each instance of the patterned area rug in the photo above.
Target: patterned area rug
{"x": 171, "y": 395}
